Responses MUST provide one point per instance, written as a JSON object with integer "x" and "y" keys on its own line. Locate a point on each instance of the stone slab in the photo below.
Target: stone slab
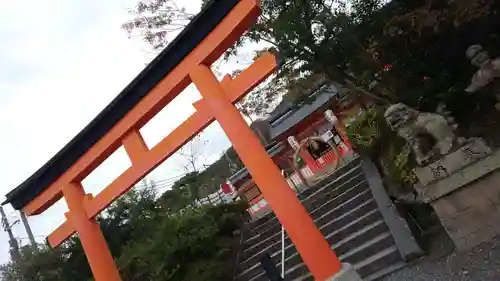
{"x": 347, "y": 273}
{"x": 471, "y": 214}
{"x": 453, "y": 162}
{"x": 459, "y": 179}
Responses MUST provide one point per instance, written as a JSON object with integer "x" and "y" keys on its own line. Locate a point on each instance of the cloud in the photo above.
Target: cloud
{"x": 61, "y": 63}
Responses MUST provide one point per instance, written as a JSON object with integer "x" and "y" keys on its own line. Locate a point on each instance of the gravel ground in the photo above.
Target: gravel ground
{"x": 480, "y": 264}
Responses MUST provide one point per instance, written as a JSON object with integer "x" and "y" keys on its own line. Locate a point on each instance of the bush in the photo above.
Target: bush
{"x": 194, "y": 245}
{"x": 368, "y": 132}
{"x": 373, "y": 138}
{"x": 148, "y": 243}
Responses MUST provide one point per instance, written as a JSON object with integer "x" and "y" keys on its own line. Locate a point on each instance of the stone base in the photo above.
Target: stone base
{"x": 460, "y": 179}
{"x": 471, "y": 214}
{"x": 454, "y": 162}
{"x": 348, "y": 273}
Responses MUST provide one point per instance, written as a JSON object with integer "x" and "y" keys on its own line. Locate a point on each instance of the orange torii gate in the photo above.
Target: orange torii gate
{"x": 42, "y": 190}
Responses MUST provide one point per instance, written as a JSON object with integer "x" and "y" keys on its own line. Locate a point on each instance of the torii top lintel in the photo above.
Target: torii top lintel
{"x": 205, "y": 39}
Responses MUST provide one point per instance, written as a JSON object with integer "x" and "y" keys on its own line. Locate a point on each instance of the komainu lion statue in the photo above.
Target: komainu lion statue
{"x": 428, "y": 134}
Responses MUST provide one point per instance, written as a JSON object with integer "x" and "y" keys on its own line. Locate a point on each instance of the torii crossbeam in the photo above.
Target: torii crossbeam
{"x": 216, "y": 104}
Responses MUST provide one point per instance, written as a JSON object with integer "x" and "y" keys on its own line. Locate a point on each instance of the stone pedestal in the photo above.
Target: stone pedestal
{"x": 467, "y": 200}
{"x": 348, "y": 273}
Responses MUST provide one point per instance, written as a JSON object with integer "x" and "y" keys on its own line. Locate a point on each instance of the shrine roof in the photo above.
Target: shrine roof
{"x": 206, "y": 21}
{"x": 272, "y": 150}
{"x": 286, "y": 117}
{"x": 293, "y": 117}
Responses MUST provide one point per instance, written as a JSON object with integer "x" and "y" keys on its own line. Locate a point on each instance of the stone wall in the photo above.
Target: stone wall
{"x": 471, "y": 214}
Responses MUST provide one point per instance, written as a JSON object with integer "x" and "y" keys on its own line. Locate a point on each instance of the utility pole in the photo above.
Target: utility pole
{"x": 14, "y": 246}
{"x": 232, "y": 167}
{"x": 28, "y": 230}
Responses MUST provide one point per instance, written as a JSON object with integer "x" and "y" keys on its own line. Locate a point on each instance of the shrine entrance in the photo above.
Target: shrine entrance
{"x": 187, "y": 59}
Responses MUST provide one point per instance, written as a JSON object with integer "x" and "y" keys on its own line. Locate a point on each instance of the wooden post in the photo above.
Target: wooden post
{"x": 310, "y": 243}
{"x": 94, "y": 245}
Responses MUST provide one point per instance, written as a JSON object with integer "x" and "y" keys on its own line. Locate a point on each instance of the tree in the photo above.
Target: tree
{"x": 194, "y": 156}
{"x": 148, "y": 243}
{"x": 156, "y": 20}
{"x": 193, "y": 153}
{"x": 196, "y": 185}
{"x": 316, "y": 39}
{"x": 374, "y": 47}
{"x": 422, "y": 45}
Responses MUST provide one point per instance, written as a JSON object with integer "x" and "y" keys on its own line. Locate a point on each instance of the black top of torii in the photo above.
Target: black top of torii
{"x": 165, "y": 62}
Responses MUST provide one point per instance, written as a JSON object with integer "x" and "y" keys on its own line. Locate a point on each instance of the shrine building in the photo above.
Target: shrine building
{"x": 289, "y": 124}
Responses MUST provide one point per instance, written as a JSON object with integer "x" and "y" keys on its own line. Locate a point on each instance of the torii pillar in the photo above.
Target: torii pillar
{"x": 310, "y": 243}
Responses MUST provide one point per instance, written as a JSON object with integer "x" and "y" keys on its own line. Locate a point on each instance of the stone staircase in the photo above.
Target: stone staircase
{"x": 347, "y": 214}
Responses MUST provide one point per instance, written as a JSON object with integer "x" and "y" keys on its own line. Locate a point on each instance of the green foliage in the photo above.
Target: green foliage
{"x": 199, "y": 184}
{"x": 314, "y": 38}
{"x": 424, "y": 42}
{"x": 218, "y": 172}
{"x": 408, "y": 51}
{"x": 401, "y": 166}
{"x": 148, "y": 241}
{"x": 66, "y": 263}
{"x": 194, "y": 245}
{"x": 369, "y": 131}
{"x": 178, "y": 245}
{"x": 373, "y": 138}
{"x": 413, "y": 50}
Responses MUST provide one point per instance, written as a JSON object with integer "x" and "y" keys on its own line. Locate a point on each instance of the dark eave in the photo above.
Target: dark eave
{"x": 206, "y": 21}
{"x": 321, "y": 98}
{"x": 272, "y": 151}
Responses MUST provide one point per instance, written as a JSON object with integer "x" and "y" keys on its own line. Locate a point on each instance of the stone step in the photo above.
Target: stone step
{"x": 349, "y": 240}
{"x": 378, "y": 261}
{"x": 368, "y": 249}
{"x": 343, "y": 191}
{"x": 380, "y": 249}
{"x": 341, "y": 172}
{"x": 264, "y": 224}
{"x": 353, "y": 226}
{"x": 332, "y": 210}
{"x": 372, "y": 277}
{"x": 353, "y": 234}
{"x": 337, "y": 178}
{"x": 270, "y": 221}
{"x": 331, "y": 190}
{"x": 346, "y": 213}
{"x": 336, "y": 206}
{"x": 365, "y": 213}
{"x": 335, "y": 219}
{"x": 317, "y": 192}
{"x": 270, "y": 232}
{"x": 306, "y": 277}
{"x": 385, "y": 271}
{"x": 259, "y": 225}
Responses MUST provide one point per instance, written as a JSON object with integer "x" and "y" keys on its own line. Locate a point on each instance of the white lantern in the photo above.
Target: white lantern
{"x": 293, "y": 142}
{"x": 330, "y": 116}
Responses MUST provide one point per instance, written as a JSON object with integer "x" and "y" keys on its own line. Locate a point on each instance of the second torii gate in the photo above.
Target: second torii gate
{"x": 216, "y": 104}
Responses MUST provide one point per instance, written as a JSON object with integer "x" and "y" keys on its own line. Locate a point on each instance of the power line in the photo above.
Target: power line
{"x": 28, "y": 229}
{"x": 36, "y": 237}
{"x": 14, "y": 246}
{"x": 158, "y": 186}
{"x": 163, "y": 182}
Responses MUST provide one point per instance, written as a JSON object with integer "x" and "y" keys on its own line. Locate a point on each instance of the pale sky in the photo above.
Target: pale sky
{"x": 61, "y": 63}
